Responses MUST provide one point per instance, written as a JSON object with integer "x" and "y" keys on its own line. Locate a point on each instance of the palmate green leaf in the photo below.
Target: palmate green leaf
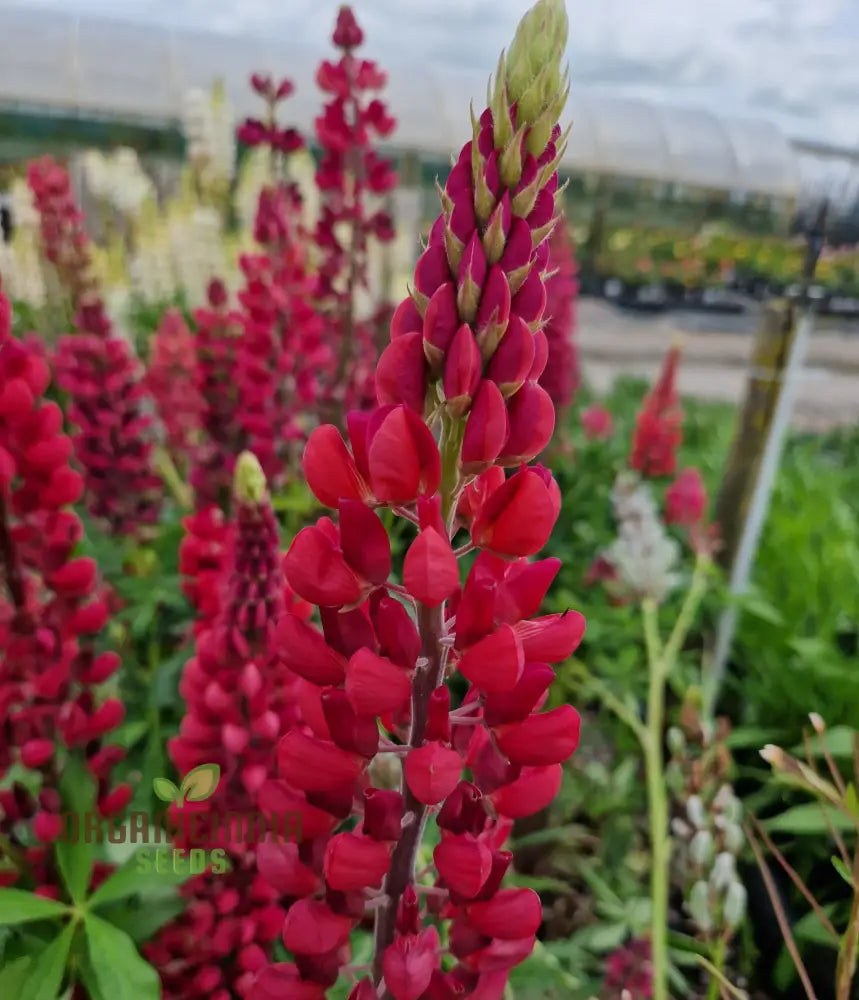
{"x": 141, "y": 921}
{"x": 13, "y": 974}
{"x": 118, "y": 970}
{"x": 88, "y": 977}
{"x": 45, "y": 974}
{"x": 20, "y": 907}
{"x": 74, "y": 859}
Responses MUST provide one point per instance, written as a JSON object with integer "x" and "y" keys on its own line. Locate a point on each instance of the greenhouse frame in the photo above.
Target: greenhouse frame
{"x": 88, "y": 80}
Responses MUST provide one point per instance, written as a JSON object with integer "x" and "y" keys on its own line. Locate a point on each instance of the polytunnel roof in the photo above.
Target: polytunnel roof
{"x": 92, "y": 65}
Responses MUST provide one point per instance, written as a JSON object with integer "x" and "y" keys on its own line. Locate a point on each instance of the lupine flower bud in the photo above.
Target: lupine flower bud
{"x": 734, "y": 906}
{"x": 560, "y": 376}
{"x": 699, "y": 906}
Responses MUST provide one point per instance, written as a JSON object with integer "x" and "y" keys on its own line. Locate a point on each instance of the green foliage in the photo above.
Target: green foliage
{"x": 796, "y": 650}
{"x": 89, "y": 935}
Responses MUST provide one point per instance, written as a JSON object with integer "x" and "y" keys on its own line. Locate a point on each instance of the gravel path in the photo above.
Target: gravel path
{"x": 613, "y": 342}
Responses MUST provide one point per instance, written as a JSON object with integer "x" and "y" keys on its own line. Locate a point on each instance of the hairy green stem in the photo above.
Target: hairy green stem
{"x": 661, "y": 661}
{"x": 717, "y": 969}
{"x": 657, "y": 802}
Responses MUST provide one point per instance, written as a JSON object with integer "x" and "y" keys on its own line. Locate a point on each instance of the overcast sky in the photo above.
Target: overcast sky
{"x": 794, "y": 61}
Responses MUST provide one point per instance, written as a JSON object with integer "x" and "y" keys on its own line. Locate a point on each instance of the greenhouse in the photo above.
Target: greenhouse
{"x": 97, "y": 81}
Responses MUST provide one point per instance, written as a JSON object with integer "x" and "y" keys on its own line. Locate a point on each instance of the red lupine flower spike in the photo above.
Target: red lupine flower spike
{"x": 238, "y": 699}
{"x": 561, "y": 376}
{"x": 659, "y": 426}
{"x": 468, "y": 346}
{"x": 52, "y": 608}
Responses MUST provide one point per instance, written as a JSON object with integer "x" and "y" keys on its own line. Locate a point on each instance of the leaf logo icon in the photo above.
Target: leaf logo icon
{"x": 200, "y": 784}
{"x": 197, "y": 785}
{"x": 165, "y": 789}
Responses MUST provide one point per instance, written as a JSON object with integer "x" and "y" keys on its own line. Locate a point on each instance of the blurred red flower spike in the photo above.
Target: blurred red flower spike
{"x": 364, "y": 541}
{"x": 532, "y": 422}
{"x": 330, "y": 469}
{"x": 303, "y": 649}
{"x": 495, "y": 662}
{"x": 403, "y": 458}
{"x": 354, "y": 862}
{"x": 686, "y": 499}
{"x": 545, "y": 738}
{"x": 347, "y": 32}
{"x": 464, "y": 862}
{"x": 430, "y": 570}
{"x": 317, "y": 570}
{"x": 375, "y": 685}
{"x": 311, "y": 764}
{"x": 597, "y": 423}
{"x": 518, "y": 517}
{"x": 432, "y": 772}
{"x": 512, "y": 914}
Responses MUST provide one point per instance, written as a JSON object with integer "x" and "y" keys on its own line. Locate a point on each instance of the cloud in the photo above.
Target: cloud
{"x": 789, "y": 60}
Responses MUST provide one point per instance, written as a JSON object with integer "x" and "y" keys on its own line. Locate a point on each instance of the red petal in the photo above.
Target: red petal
{"x": 432, "y": 772}
{"x": 546, "y": 738}
{"x": 494, "y": 663}
{"x": 430, "y": 570}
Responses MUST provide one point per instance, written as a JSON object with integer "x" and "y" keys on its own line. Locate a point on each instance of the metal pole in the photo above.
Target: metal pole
{"x": 751, "y": 533}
